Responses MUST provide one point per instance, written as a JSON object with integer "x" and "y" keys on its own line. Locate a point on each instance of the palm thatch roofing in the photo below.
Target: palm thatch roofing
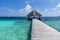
{"x": 34, "y": 13}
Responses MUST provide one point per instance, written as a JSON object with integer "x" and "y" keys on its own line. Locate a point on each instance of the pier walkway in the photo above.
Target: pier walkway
{"x": 41, "y": 31}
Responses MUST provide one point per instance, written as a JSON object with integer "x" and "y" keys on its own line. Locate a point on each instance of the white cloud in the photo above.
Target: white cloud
{"x": 58, "y": 5}
{"x": 54, "y": 8}
{"x": 51, "y": 12}
{"x": 55, "y": 11}
{"x": 20, "y": 12}
{"x": 46, "y": 10}
{"x": 3, "y": 8}
{"x": 6, "y": 9}
{"x": 38, "y": 10}
{"x": 28, "y": 8}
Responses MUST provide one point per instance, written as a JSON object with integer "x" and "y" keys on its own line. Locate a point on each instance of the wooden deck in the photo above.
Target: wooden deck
{"x": 41, "y": 31}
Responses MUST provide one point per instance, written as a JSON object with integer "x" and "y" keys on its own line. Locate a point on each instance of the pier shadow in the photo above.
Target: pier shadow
{"x": 30, "y": 30}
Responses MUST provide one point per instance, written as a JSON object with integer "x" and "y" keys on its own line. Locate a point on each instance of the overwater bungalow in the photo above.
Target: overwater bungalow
{"x": 34, "y": 15}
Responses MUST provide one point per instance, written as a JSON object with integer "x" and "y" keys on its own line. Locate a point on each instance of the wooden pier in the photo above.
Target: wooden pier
{"x": 41, "y": 31}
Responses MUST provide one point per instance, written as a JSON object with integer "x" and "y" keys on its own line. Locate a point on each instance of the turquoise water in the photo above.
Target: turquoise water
{"x": 14, "y": 29}
{"x": 53, "y": 24}
{"x": 17, "y": 28}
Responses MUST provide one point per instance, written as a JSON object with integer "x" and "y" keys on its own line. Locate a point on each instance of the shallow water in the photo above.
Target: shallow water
{"x": 14, "y": 29}
{"x": 54, "y": 24}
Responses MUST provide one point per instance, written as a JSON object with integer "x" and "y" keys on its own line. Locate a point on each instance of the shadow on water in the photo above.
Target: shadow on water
{"x": 29, "y": 33}
{"x": 30, "y": 28}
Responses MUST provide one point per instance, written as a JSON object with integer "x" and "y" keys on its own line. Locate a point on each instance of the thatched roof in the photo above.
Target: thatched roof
{"x": 34, "y": 13}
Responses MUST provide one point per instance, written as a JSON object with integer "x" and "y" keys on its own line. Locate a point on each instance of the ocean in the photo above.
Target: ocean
{"x": 54, "y": 22}
{"x": 18, "y": 28}
{"x": 14, "y": 28}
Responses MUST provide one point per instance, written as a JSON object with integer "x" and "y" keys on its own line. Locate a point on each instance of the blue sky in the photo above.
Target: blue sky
{"x": 23, "y": 7}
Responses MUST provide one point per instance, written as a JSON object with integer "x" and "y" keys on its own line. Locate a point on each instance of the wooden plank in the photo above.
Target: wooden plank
{"x": 41, "y": 31}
